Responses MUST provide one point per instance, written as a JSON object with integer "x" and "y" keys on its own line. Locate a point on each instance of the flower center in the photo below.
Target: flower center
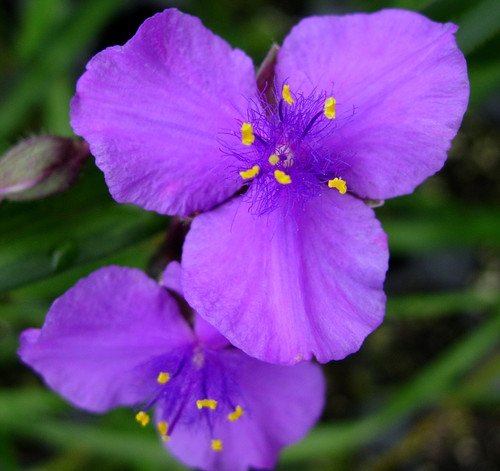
{"x": 198, "y": 390}
{"x": 284, "y": 151}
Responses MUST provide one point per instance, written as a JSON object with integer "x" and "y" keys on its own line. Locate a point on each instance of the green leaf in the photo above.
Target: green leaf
{"x": 415, "y": 5}
{"x": 427, "y": 305}
{"x": 479, "y": 23}
{"x": 21, "y": 411}
{"x": 484, "y": 79}
{"x": 421, "y": 222}
{"x": 427, "y": 388}
{"x": 38, "y": 21}
{"x": 42, "y": 238}
{"x": 53, "y": 60}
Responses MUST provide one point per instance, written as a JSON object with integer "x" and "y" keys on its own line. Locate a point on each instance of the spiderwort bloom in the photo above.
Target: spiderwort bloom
{"x": 285, "y": 259}
{"x": 118, "y": 338}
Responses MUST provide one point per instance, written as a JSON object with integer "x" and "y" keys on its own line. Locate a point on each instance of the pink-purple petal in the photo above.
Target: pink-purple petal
{"x": 171, "y": 278}
{"x": 286, "y": 287}
{"x": 280, "y": 404}
{"x": 153, "y": 111}
{"x": 98, "y": 332}
{"x": 401, "y": 88}
{"x": 206, "y": 333}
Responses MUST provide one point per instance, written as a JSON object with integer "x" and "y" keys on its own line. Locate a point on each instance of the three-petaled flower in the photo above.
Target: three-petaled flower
{"x": 118, "y": 338}
{"x": 285, "y": 259}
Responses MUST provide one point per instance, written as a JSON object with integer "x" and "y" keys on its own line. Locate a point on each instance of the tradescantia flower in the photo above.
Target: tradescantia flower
{"x": 118, "y": 338}
{"x": 285, "y": 259}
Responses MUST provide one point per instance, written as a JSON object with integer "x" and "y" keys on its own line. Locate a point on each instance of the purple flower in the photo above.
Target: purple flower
{"x": 118, "y": 338}
{"x": 286, "y": 259}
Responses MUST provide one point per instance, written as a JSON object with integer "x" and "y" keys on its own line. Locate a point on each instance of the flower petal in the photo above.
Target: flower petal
{"x": 279, "y": 405}
{"x": 208, "y": 334}
{"x": 401, "y": 89}
{"x": 171, "y": 278}
{"x": 98, "y": 332}
{"x": 285, "y": 287}
{"x": 153, "y": 109}
{"x": 205, "y": 332}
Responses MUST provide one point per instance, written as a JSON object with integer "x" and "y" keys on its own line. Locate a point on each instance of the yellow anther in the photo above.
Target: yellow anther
{"x": 163, "y": 377}
{"x": 286, "y": 94}
{"x": 273, "y": 159}
{"x": 282, "y": 177}
{"x": 165, "y": 438}
{"x": 217, "y": 445}
{"x": 210, "y": 403}
{"x": 238, "y": 412}
{"x": 330, "y": 107}
{"x": 247, "y": 136}
{"x": 250, "y": 173}
{"x": 142, "y": 417}
{"x": 162, "y": 428}
{"x": 339, "y": 184}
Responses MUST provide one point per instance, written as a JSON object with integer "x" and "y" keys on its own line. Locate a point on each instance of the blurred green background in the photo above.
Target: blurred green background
{"x": 423, "y": 393}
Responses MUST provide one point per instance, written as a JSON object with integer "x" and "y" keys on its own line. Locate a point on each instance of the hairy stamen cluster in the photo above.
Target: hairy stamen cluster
{"x": 196, "y": 391}
{"x": 282, "y": 150}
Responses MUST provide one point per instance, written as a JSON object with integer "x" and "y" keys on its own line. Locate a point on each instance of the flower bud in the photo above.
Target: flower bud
{"x": 41, "y": 166}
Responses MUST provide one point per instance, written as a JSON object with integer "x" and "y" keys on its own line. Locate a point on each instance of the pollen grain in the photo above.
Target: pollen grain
{"x": 286, "y": 94}
{"x": 247, "y": 136}
{"x": 282, "y": 177}
{"x": 210, "y": 403}
{"x": 339, "y": 184}
{"x": 330, "y": 107}
{"x": 163, "y": 377}
{"x": 250, "y": 173}
{"x": 238, "y": 412}
{"x": 142, "y": 418}
{"x": 217, "y": 445}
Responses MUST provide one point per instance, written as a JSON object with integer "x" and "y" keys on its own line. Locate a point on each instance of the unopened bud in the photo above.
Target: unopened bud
{"x": 266, "y": 72}
{"x": 41, "y": 166}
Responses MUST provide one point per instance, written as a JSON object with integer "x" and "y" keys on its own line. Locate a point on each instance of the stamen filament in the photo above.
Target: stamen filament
{"x": 309, "y": 126}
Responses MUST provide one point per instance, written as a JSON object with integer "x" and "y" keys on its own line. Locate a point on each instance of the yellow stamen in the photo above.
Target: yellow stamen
{"x": 282, "y": 177}
{"x": 247, "y": 136}
{"x": 273, "y": 159}
{"x": 238, "y": 412}
{"x": 330, "y": 107}
{"x": 250, "y": 173}
{"x": 286, "y": 94}
{"x": 162, "y": 428}
{"x": 210, "y": 403}
{"x": 163, "y": 377}
{"x": 165, "y": 438}
{"x": 339, "y": 184}
{"x": 142, "y": 417}
{"x": 217, "y": 445}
